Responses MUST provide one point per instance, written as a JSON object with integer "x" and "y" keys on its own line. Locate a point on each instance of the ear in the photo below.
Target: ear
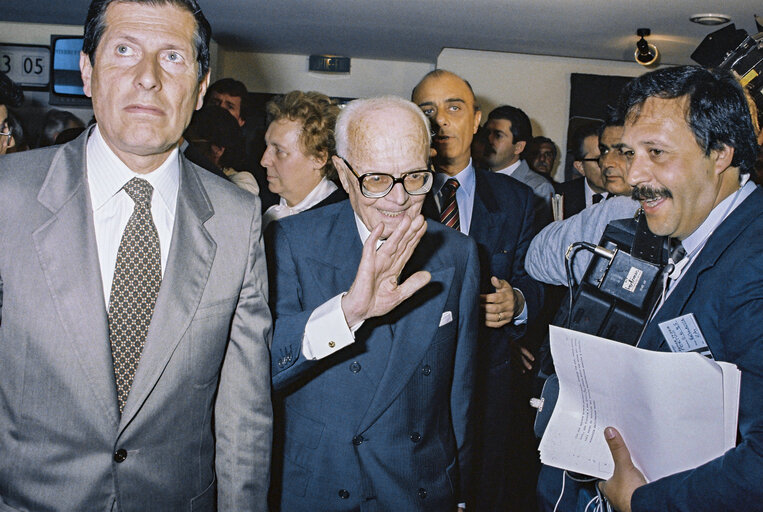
{"x": 578, "y": 165}
{"x": 202, "y": 91}
{"x": 319, "y": 162}
{"x": 723, "y": 158}
{"x": 86, "y": 70}
{"x": 519, "y": 147}
{"x": 342, "y": 171}
{"x": 477, "y": 119}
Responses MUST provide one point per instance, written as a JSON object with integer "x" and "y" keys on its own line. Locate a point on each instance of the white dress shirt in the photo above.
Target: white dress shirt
{"x": 112, "y": 207}
{"x": 322, "y": 190}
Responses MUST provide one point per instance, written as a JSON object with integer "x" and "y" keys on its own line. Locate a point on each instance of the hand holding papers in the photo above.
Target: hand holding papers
{"x": 674, "y": 411}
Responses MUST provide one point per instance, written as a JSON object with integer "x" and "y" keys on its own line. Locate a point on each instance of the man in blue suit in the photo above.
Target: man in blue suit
{"x": 691, "y": 146}
{"x": 375, "y": 332}
{"x": 497, "y": 212}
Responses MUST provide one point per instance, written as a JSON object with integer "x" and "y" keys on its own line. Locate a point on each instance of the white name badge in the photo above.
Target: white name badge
{"x": 683, "y": 335}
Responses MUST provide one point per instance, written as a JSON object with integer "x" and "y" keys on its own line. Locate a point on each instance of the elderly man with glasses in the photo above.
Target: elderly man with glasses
{"x": 375, "y": 331}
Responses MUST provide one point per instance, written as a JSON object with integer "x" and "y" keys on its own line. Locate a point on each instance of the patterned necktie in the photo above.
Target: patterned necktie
{"x": 449, "y": 215}
{"x": 137, "y": 277}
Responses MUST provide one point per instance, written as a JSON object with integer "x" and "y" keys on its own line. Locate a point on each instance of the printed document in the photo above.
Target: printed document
{"x": 675, "y": 411}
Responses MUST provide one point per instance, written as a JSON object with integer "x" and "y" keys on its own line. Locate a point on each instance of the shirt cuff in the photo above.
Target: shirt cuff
{"x": 327, "y": 331}
{"x": 521, "y": 318}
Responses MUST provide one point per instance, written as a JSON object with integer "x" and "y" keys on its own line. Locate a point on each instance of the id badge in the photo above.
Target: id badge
{"x": 683, "y": 335}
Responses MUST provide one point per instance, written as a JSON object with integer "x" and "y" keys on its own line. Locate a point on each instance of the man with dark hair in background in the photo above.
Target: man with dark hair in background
{"x": 497, "y": 211}
{"x": 134, "y": 323}
{"x": 541, "y": 156}
{"x": 508, "y": 133}
{"x": 582, "y": 192}
{"x": 232, "y": 95}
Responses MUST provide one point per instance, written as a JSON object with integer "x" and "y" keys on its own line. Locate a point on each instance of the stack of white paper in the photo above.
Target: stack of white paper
{"x": 674, "y": 411}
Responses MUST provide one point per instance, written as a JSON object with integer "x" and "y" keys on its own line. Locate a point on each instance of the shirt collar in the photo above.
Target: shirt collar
{"x": 321, "y": 191}
{"x": 107, "y": 174}
{"x": 693, "y": 243}
{"x": 508, "y": 171}
{"x": 465, "y": 177}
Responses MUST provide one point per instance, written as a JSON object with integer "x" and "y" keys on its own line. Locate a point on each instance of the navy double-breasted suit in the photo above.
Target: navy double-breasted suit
{"x": 382, "y": 424}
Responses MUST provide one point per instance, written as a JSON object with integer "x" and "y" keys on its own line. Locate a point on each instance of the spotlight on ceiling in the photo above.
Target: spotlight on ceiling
{"x": 710, "y": 18}
{"x": 646, "y": 53}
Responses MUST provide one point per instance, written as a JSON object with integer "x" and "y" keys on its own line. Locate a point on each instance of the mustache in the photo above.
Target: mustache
{"x": 646, "y": 193}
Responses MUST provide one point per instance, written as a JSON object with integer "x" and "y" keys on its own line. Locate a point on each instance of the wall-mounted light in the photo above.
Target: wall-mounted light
{"x": 646, "y": 53}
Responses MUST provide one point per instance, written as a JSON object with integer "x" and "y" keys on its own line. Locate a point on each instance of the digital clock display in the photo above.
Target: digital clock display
{"x": 27, "y": 65}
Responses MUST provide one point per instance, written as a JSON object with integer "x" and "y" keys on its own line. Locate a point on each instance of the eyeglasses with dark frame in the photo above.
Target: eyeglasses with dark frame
{"x": 591, "y": 159}
{"x": 374, "y": 185}
{"x": 5, "y": 130}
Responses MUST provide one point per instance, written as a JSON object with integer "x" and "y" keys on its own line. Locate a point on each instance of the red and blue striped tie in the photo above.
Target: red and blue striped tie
{"x": 449, "y": 215}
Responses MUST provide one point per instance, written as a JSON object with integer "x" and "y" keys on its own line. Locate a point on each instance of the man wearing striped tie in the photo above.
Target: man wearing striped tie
{"x": 497, "y": 211}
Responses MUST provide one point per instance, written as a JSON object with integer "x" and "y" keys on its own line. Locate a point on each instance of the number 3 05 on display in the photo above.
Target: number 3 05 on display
{"x": 27, "y": 65}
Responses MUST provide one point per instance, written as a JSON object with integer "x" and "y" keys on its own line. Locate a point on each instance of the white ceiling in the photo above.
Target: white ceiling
{"x": 417, "y": 30}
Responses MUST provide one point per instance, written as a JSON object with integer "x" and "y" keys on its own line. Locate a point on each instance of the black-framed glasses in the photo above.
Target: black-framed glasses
{"x": 378, "y": 184}
{"x": 591, "y": 159}
{"x": 5, "y": 130}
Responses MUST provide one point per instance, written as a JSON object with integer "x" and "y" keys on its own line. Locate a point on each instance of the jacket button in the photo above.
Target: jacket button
{"x": 357, "y": 440}
{"x": 355, "y": 367}
{"x": 426, "y": 369}
{"x": 332, "y": 344}
{"x": 344, "y": 494}
{"x": 120, "y": 455}
{"x": 422, "y": 493}
{"x": 415, "y": 437}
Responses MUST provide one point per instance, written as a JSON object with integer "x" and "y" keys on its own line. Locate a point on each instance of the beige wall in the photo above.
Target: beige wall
{"x": 537, "y": 84}
{"x": 280, "y": 73}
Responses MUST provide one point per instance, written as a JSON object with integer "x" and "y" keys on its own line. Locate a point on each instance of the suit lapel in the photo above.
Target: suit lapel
{"x": 68, "y": 256}
{"x": 334, "y": 267}
{"x": 483, "y": 226}
{"x": 192, "y": 251}
{"x": 413, "y": 325}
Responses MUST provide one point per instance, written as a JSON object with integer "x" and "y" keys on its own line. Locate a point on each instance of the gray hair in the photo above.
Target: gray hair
{"x": 355, "y": 110}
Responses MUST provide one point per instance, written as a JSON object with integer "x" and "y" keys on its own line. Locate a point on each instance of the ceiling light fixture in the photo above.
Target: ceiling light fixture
{"x": 709, "y": 18}
{"x": 646, "y": 53}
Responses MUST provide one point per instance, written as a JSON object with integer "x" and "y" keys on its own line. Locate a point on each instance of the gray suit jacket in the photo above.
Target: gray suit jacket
{"x": 196, "y": 429}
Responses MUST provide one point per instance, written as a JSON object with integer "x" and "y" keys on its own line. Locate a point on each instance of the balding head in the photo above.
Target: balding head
{"x": 359, "y": 127}
{"x": 448, "y": 101}
{"x": 385, "y": 135}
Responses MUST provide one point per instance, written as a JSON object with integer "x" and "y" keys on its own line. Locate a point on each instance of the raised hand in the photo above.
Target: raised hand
{"x": 376, "y": 291}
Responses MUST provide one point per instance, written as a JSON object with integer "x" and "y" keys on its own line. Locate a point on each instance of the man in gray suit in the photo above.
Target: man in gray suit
{"x": 134, "y": 366}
